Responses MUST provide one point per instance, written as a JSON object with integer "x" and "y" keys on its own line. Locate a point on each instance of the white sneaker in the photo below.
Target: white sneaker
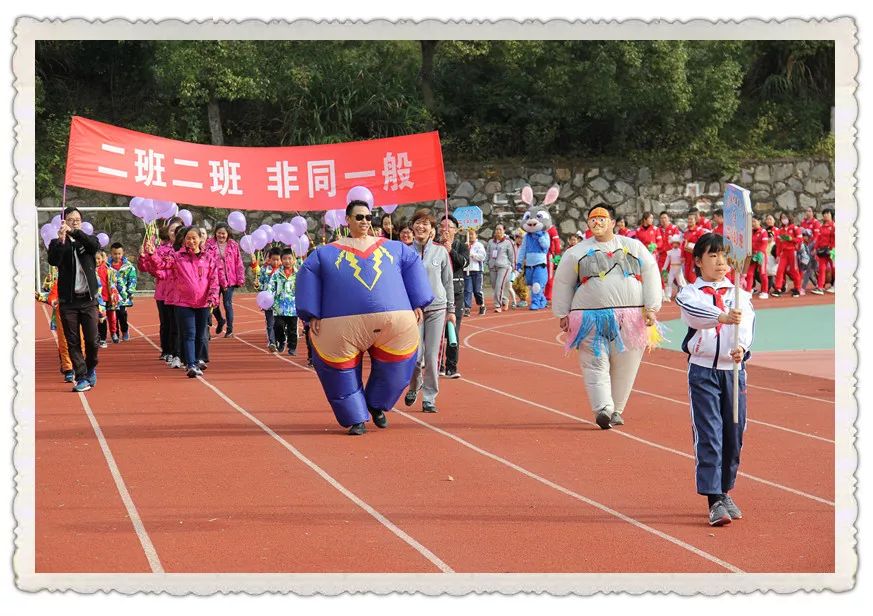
{"x": 830, "y": 290}
{"x": 763, "y": 295}
{"x": 176, "y": 363}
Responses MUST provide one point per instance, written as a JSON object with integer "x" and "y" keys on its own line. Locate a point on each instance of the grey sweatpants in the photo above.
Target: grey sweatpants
{"x": 610, "y": 377}
{"x": 499, "y": 283}
{"x": 426, "y": 373}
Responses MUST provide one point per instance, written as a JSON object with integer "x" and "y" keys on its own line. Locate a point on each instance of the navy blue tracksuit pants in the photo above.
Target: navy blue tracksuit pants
{"x": 717, "y": 440}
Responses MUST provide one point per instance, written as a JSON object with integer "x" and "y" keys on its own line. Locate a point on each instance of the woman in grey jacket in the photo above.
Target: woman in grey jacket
{"x": 439, "y": 274}
{"x": 501, "y": 258}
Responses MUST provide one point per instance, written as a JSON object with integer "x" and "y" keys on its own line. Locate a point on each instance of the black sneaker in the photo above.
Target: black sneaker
{"x": 357, "y": 429}
{"x": 795, "y": 293}
{"x": 271, "y": 348}
{"x": 228, "y": 333}
{"x": 453, "y": 374}
{"x": 428, "y": 407}
{"x": 202, "y": 365}
{"x": 379, "y": 418}
{"x": 114, "y": 338}
{"x": 292, "y": 352}
{"x": 604, "y": 419}
{"x": 616, "y": 419}
{"x": 731, "y": 507}
{"x": 219, "y": 327}
{"x": 718, "y": 514}
{"x": 466, "y": 312}
{"x": 481, "y": 309}
{"x": 775, "y": 293}
{"x": 192, "y": 372}
{"x": 410, "y": 397}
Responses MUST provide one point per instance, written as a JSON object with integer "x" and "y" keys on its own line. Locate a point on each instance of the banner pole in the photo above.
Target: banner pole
{"x": 736, "y": 398}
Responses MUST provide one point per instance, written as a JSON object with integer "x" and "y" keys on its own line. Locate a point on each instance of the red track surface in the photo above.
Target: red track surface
{"x": 228, "y": 475}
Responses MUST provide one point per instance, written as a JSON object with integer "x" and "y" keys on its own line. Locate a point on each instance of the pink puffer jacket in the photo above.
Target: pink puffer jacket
{"x": 193, "y": 280}
{"x": 163, "y": 278}
{"x": 230, "y": 267}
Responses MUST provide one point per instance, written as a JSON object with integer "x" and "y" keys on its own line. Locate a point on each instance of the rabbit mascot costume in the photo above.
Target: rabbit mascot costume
{"x": 534, "y": 252}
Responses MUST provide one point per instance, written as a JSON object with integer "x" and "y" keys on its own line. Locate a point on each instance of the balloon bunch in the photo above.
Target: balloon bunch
{"x": 150, "y": 211}
{"x": 292, "y": 234}
{"x": 49, "y": 231}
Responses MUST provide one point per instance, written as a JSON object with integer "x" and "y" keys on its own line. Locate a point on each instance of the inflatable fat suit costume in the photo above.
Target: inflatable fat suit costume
{"x": 365, "y": 300}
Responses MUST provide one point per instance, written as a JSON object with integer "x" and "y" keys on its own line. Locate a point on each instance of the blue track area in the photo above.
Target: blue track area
{"x": 805, "y": 328}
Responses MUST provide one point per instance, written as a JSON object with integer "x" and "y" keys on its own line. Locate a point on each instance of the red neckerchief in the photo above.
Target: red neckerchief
{"x": 717, "y": 299}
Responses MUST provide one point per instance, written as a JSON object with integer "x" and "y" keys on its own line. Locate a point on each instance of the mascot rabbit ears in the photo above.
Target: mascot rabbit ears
{"x": 551, "y": 196}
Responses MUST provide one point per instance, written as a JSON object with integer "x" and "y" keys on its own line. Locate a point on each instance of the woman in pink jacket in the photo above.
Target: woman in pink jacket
{"x": 166, "y": 317}
{"x": 231, "y": 273}
{"x": 195, "y": 292}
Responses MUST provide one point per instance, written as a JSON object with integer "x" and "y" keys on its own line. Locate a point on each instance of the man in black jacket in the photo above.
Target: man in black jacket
{"x": 73, "y": 254}
{"x": 459, "y": 255}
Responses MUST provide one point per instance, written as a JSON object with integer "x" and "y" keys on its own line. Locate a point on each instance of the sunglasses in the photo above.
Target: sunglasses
{"x": 360, "y": 217}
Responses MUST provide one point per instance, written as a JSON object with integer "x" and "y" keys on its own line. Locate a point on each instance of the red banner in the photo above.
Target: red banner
{"x": 397, "y": 170}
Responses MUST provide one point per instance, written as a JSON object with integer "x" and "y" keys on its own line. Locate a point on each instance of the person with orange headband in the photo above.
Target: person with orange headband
{"x": 607, "y": 292}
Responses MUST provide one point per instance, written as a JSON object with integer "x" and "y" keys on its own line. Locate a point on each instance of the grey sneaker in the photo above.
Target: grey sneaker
{"x": 718, "y": 514}
{"x": 616, "y": 419}
{"x": 731, "y": 507}
{"x": 428, "y": 407}
{"x": 603, "y": 419}
{"x": 357, "y": 429}
{"x": 410, "y": 397}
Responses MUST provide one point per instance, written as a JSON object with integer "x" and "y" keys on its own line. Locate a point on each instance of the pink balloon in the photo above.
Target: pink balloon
{"x": 360, "y": 193}
{"x": 237, "y": 221}
{"x": 186, "y": 217}
{"x": 264, "y": 300}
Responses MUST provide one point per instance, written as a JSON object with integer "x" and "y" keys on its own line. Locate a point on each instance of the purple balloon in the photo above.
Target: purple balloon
{"x": 264, "y": 300}
{"x": 102, "y": 239}
{"x": 388, "y": 209}
{"x": 298, "y": 223}
{"x": 329, "y": 219}
{"x": 186, "y": 217}
{"x": 88, "y": 228}
{"x": 247, "y": 244}
{"x": 237, "y": 221}
{"x": 360, "y": 193}
{"x": 268, "y": 231}
{"x": 285, "y": 233}
{"x": 164, "y": 209}
{"x": 56, "y": 221}
{"x": 260, "y": 239}
{"x": 303, "y": 244}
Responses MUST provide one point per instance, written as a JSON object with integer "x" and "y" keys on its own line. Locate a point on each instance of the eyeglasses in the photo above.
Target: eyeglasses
{"x": 598, "y": 219}
{"x": 360, "y": 217}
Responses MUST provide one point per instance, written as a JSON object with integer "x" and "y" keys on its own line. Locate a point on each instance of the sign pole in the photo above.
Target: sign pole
{"x": 738, "y": 244}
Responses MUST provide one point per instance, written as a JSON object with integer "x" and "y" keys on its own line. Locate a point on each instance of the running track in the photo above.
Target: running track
{"x": 245, "y": 470}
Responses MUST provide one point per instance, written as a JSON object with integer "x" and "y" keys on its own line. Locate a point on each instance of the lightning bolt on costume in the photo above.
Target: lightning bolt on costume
{"x": 363, "y": 291}
{"x": 604, "y": 289}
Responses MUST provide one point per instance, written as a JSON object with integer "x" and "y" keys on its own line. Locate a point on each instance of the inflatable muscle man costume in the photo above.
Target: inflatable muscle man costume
{"x": 365, "y": 299}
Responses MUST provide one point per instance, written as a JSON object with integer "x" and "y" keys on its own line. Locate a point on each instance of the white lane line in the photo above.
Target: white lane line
{"x": 639, "y": 391}
{"x": 647, "y": 363}
{"x": 418, "y": 547}
{"x": 541, "y": 479}
{"x": 638, "y": 439}
{"x": 576, "y": 495}
{"x": 147, "y": 546}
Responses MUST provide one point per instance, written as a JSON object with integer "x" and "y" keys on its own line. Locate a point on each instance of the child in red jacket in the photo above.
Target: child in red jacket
{"x": 825, "y": 244}
{"x": 788, "y": 239}
{"x": 760, "y": 250}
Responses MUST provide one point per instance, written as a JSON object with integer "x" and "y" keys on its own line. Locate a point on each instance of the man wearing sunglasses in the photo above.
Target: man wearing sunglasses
{"x": 362, "y": 294}
{"x": 607, "y": 291}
